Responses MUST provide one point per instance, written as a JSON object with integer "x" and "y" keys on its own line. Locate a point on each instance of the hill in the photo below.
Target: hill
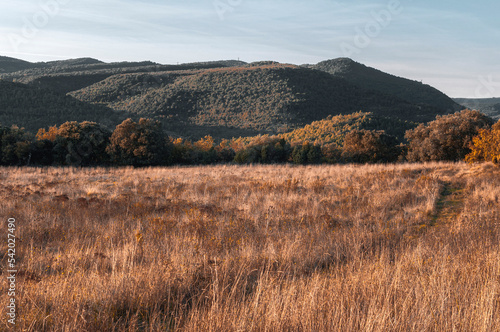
{"x": 9, "y": 65}
{"x": 73, "y": 62}
{"x": 34, "y": 108}
{"x": 222, "y": 98}
{"x": 70, "y": 75}
{"x": 489, "y": 106}
{"x": 374, "y": 79}
{"x": 258, "y": 99}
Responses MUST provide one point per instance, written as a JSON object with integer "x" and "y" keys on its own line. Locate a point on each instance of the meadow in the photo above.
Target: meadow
{"x": 406, "y": 247}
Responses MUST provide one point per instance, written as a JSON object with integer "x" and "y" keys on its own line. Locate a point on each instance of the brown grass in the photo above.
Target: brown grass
{"x": 275, "y": 248}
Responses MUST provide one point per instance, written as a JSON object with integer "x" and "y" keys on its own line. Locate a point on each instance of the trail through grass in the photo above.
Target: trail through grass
{"x": 450, "y": 203}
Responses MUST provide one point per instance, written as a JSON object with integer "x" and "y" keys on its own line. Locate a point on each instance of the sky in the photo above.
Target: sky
{"x": 451, "y": 45}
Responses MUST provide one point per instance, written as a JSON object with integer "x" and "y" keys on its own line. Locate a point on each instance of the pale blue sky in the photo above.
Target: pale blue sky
{"x": 452, "y": 45}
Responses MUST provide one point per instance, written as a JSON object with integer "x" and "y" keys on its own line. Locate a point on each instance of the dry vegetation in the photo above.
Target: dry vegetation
{"x": 227, "y": 248}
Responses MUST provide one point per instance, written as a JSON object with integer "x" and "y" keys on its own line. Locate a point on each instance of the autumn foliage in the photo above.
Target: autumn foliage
{"x": 446, "y": 138}
{"x": 355, "y": 138}
{"x": 485, "y": 146}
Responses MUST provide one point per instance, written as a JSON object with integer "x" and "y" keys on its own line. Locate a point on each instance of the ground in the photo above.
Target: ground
{"x": 250, "y": 248}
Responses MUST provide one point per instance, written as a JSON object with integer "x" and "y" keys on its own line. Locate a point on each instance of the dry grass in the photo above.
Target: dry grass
{"x": 276, "y": 248}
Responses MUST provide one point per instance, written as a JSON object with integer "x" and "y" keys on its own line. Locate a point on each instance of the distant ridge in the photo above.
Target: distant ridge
{"x": 374, "y": 79}
{"x": 489, "y": 106}
{"x": 10, "y": 65}
{"x": 73, "y": 62}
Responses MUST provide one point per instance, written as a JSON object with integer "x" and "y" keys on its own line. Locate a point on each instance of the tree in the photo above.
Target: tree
{"x": 446, "y": 138}
{"x": 485, "y": 146}
{"x": 78, "y": 144}
{"x": 225, "y": 152}
{"x": 203, "y": 151}
{"x": 49, "y": 135}
{"x": 141, "y": 143}
{"x": 263, "y": 149}
{"x": 42, "y": 152}
{"x": 369, "y": 146}
{"x": 15, "y": 146}
{"x": 306, "y": 154}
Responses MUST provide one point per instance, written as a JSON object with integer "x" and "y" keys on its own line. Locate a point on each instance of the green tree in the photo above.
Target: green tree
{"x": 141, "y": 143}
{"x": 42, "y": 152}
{"x": 80, "y": 144}
{"x": 15, "y": 146}
{"x": 306, "y": 154}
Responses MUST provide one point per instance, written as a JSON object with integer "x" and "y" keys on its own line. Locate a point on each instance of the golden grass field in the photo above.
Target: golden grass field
{"x": 409, "y": 247}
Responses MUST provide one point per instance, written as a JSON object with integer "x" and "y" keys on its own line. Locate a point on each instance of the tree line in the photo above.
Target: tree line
{"x": 466, "y": 135}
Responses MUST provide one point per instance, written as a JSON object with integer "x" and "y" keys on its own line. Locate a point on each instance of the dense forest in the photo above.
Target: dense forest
{"x": 468, "y": 135}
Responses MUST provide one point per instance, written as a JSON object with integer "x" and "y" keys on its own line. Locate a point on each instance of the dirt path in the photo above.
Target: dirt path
{"x": 450, "y": 203}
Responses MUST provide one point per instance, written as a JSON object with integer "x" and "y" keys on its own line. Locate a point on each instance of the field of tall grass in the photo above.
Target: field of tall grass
{"x": 408, "y": 247}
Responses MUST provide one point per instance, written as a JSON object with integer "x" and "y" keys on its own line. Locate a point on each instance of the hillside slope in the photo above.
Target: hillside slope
{"x": 74, "y": 74}
{"x": 256, "y": 98}
{"x": 9, "y": 65}
{"x": 374, "y": 79}
{"x": 34, "y": 108}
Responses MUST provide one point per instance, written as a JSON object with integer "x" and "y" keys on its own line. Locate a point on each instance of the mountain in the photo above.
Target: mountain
{"x": 374, "y": 79}
{"x": 262, "y": 99}
{"x": 34, "y": 108}
{"x": 489, "y": 106}
{"x": 12, "y": 65}
{"x": 220, "y": 98}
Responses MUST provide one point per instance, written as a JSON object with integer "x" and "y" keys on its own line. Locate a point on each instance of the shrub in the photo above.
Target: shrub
{"x": 264, "y": 149}
{"x": 306, "y": 154}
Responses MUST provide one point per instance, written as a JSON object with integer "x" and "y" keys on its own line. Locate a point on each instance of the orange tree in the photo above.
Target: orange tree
{"x": 485, "y": 146}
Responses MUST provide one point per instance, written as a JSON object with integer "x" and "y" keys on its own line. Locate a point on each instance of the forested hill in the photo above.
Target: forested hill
{"x": 69, "y": 75}
{"x": 34, "y": 108}
{"x": 220, "y": 98}
{"x": 9, "y": 65}
{"x": 373, "y": 79}
{"x": 266, "y": 98}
